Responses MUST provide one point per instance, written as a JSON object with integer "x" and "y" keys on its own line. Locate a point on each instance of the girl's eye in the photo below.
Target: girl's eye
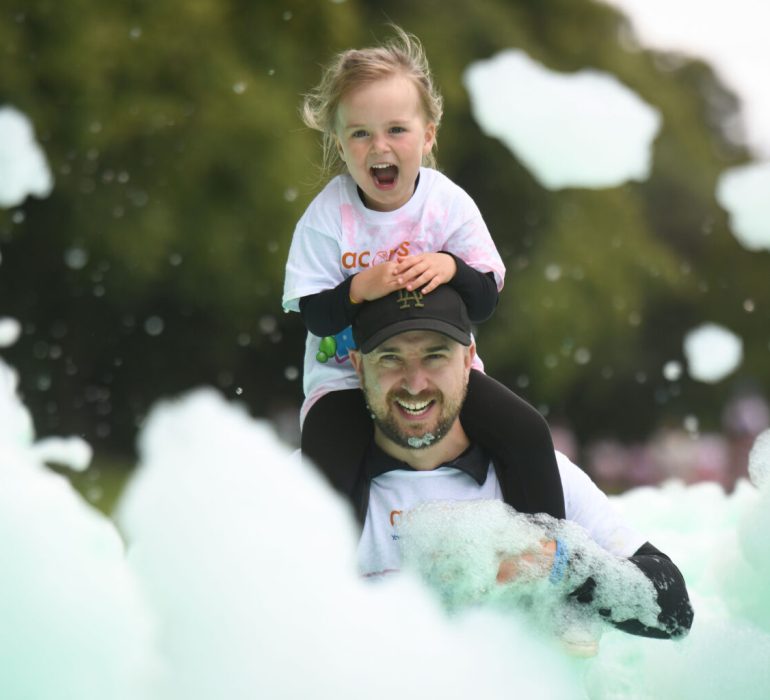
{"x": 358, "y": 134}
{"x": 397, "y": 129}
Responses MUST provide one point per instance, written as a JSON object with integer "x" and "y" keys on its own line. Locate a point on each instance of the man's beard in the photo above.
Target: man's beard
{"x": 388, "y": 423}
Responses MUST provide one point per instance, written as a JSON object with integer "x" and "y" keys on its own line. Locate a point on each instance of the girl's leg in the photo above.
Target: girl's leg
{"x": 519, "y": 441}
{"x": 335, "y": 435}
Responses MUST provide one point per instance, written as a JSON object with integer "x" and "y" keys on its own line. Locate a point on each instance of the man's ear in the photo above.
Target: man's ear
{"x": 357, "y": 361}
{"x": 470, "y": 353}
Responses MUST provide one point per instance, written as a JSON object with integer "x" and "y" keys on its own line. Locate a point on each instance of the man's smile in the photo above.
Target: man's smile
{"x": 414, "y": 408}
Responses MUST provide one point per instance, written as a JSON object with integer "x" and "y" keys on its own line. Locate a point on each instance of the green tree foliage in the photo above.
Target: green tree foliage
{"x": 181, "y": 167}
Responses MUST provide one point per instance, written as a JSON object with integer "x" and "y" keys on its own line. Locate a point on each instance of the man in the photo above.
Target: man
{"x": 414, "y": 359}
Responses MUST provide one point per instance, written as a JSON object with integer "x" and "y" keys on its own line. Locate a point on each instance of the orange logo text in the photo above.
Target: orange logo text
{"x": 366, "y": 258}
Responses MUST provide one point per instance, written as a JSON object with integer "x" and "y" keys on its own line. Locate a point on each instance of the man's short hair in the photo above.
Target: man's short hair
{"x": 442, "y": 311}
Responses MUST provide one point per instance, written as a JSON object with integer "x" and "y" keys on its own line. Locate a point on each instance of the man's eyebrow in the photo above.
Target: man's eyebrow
{"x": 397, "y": 349}
{"x": 384, "y": 349}
{"x": 387, "y": 349}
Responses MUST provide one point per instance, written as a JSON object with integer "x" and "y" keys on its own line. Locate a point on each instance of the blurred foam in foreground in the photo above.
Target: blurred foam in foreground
{"x": 234, "y": 576}
{"x": 238, "y": 580}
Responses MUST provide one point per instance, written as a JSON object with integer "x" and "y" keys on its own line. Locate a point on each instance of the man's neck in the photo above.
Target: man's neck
{"x": 447, "y": 449}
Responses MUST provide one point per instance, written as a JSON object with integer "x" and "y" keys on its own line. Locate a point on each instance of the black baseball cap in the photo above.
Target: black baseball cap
{"x": 441, "y": 310}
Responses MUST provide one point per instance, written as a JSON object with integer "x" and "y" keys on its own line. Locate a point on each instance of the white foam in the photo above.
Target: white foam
{"x": 759, "y": 460}
{"x": 248, "y": 559}
{"x": 457, "y": 548}
{"x": 712, "y": 352}
{"x": 745, "y": 193}
{"x": 240, "y": 582}
{"x": 23, "y": 168}
{"x": 10, "y": 330}
{"x": 72, "y": 452}
{"x": 705, "y": 533}
{"x": 74, "y": 624}
{"x": 584, "y": 129}
{"x": 16, "y": 427}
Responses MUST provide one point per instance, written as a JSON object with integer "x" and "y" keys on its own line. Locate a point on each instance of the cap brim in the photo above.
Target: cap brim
{"x": 415, "y": 324}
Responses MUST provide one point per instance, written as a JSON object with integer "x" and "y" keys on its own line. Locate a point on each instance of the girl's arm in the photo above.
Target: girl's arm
{"x": 478, "y": 290}
{"x": 330, "y": 311}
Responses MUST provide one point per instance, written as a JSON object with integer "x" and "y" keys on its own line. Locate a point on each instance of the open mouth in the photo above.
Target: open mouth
{"x": 384, "y": 175}
{"x": 414, "y": 408}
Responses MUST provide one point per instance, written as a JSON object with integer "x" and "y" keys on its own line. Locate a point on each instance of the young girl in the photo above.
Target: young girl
{"x": 390, "y": 221}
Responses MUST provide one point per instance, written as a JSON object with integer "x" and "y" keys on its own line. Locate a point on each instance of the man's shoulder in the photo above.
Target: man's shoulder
{"x": 563, "y": 461}
{"x": 571, "y": 474}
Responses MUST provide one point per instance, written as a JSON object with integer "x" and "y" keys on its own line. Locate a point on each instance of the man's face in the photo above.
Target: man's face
{"x": 415, "y": 385}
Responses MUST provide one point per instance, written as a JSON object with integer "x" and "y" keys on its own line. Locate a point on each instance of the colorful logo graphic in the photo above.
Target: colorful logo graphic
{"x": 337, "y": 346}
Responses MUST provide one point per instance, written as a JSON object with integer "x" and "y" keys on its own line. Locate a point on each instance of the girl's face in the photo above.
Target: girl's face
{"x": 382, "y": 135}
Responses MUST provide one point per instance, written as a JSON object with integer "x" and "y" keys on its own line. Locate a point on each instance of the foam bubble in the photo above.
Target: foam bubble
{"x": 72, "y": 452}
{"x": 16, "y": 427}
{"x": 713, "y": 352}
{"x": 74, "y": 623}
{"x": 241, "y": 569}
{"x": 753, "y": 537}
{"x": 10, "y": 330}
{"x": 23, "y": 167}
{"x": 457, "y": 548}
{"x": 606, "y": 141}
{"x": 248, "y": 559}
{"x": 743, "y": 193}
{"x": 759, "y": 460}
{"x": 720, "y": 658}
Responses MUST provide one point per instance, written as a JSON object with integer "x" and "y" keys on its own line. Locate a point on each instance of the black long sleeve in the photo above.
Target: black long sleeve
{"x": 477, "y": 289}
{"x": 331, "y": 311}
{"x": 676, "y": 613}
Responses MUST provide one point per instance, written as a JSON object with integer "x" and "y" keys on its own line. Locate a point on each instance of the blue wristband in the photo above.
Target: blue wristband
{"x": 560, "y": 559}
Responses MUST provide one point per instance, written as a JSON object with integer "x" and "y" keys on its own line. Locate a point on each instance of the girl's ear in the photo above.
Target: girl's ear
{"x": 430, "y": 138}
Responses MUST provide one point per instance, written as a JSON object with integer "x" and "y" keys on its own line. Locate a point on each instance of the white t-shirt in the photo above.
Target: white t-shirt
{"x": 395, "y": 492}
{"x": 338, "y": 236}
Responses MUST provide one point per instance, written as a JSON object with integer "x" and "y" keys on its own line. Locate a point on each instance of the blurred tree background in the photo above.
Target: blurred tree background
{"x": 181, "y": 167}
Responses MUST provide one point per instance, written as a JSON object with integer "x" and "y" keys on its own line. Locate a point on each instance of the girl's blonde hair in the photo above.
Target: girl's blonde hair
{"x": 355, "y": 68}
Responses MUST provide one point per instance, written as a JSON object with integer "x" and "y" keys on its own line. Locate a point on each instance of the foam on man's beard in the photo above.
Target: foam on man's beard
{"x": 422, "y": 442}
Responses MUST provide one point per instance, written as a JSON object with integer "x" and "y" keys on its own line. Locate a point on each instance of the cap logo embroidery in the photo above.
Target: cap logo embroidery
{"x": 406, "y": 299}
